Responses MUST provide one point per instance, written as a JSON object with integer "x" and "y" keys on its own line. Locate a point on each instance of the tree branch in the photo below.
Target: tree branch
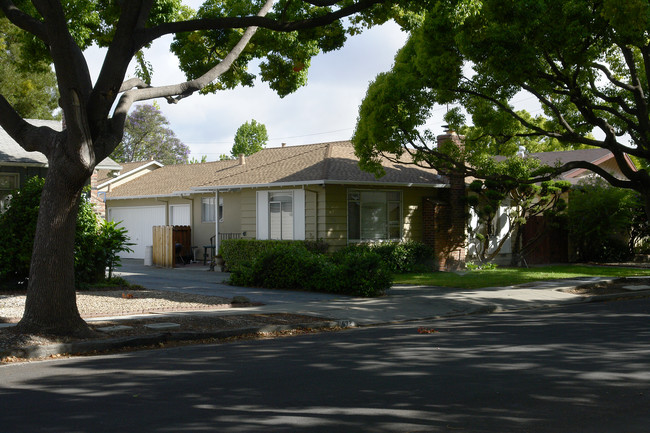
{"x": 24, "y": 20}
{"x": 154, "y": 33}
{"x": 29, "y": 137}
{"x": 71, "y": 67}
{"x": 133, "y": 16}
{"x": 174, "y": 93}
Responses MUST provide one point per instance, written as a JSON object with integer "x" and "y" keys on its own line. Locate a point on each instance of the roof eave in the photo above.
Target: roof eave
{"x": 22, "y": 164}
{"x": 129, "y": 173}
{"x": 319, "y": 182}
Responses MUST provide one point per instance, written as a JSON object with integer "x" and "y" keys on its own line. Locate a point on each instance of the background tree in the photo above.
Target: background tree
{"x": 204, "y": 158}
{"x": 584, "y": 61}
{"x": 214, "y": 46}
{"x": 522, "y": 201}
{"x": 605, "y": 223}
{"x": 147, "y": 136}
{"x": 29, "y": 85}
{"x": 250, "y": 137}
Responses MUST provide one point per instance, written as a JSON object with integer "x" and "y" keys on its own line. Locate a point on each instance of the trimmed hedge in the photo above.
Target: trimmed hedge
{"x": 290, "y": 265}
{"x": 238, "y": 252}
{"x": 400, "y": 257}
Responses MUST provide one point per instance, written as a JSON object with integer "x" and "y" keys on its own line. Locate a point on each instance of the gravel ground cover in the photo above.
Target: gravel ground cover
{"x": 150, "y": 306}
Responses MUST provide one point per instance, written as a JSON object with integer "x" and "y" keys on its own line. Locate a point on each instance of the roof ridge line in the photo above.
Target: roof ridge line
{"x": 246, "y": 170}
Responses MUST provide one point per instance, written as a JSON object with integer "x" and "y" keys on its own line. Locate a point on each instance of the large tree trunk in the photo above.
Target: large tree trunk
{"x": 51, "y": 305}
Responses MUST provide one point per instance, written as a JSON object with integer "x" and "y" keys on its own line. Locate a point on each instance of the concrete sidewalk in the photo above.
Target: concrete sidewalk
{"x": 402, "y": 303}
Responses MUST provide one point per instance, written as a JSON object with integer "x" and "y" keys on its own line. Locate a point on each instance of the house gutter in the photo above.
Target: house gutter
{"x": 212, "y": 189}
{"x": 24, "y": 164}
{"x": 317, "y": 182}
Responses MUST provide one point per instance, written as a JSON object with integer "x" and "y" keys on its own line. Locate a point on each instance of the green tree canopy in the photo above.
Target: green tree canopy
{"x": 584, "y": 61}
{"x": 250, "y": 137}
{"x": 147, "y": 136}
{"x": 215, "y": 46}
{"x": 29, "y": 85}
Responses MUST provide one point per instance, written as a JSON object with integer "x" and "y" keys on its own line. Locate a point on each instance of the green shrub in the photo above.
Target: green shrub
{"x": 283, "y": 267}
{"x": 291, "y": 266}
{"x": 362, "y": 272}
{"x": 17, "y": 228}
{"x": 88, "y": 267}
{"x": 96, "y": 245}
{"x": 241, "y": 252}
{"x": 111, "y": 241}
{"x": 601, "y": 220}
{"x": 400, "y": 257}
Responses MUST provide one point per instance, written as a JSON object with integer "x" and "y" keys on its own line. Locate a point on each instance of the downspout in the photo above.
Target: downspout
{"x": 216, "y": 222}
{"x": 166, "y": 210}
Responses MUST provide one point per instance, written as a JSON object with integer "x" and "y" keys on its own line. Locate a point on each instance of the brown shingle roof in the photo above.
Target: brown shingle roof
{"x": 324, "y": 162}
{"x": 595, "y": 155}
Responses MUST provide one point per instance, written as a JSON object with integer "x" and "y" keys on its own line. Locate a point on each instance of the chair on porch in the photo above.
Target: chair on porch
{"x": 209, "y": 250}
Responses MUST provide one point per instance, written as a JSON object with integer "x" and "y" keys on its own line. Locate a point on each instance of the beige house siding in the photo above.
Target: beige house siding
{"x": 412, "y": 225}
{"x": 201, "y": 231}
{"x": 336, "y": 215}
{"x": 315, "y": 205}
{"x": 248, "y": 217}
{"x": 231, "y": 212}
{"x": 325, "y": 212}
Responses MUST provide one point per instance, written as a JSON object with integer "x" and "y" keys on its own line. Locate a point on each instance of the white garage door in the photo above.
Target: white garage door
{"x": 139, "y": 222}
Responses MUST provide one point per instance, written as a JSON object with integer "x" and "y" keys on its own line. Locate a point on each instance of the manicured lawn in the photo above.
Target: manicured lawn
{"x": 511, "y": 276}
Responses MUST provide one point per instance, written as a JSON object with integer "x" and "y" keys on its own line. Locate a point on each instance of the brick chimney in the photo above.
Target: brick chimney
{"x": 445, "y": 217}
{"x": 242, "y": 159}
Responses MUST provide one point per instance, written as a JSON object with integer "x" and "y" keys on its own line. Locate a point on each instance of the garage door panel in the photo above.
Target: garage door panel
{"x": 139, "y": 222}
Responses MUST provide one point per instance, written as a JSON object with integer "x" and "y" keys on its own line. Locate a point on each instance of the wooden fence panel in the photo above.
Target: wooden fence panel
{"x": 183, "y": 236}
{"x": 165, "y": 239}
{"x": 163, "y": 246}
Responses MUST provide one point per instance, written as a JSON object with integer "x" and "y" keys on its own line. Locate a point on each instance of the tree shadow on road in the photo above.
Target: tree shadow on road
{"x": 578, "y": 368}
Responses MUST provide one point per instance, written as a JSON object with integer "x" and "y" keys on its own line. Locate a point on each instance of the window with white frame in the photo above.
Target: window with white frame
{"x": 8, "y": 183}
{"x": 281, "y": 215}
{"x": 374, "y": 215}
{"x": 207, "y": 210}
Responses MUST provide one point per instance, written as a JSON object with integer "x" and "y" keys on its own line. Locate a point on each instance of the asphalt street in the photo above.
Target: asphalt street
{"x": 577, "y": 368}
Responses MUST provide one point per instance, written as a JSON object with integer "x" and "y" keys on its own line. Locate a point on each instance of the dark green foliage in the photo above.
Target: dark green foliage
{"x": 290, "y": 265}
{"x": 400, "y": 257}
{"x": 362, "y": 273}
{"x": 111, "y": 241}
{"x": 601, "y": 220}
{"x": 87, "y": 267}
{"x": 17, "y": 227}
{"x": 96, "y": 244}
{"x": 238, "y": 252}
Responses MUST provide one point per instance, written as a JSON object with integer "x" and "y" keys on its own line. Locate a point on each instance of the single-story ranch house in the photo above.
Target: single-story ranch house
{"x": 309, "y": 192}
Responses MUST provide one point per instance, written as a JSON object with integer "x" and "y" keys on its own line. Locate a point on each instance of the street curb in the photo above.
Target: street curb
{"x": 111, "y": 344}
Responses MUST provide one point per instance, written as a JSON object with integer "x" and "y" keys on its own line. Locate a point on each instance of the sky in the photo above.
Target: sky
{"x": 324, "y": 110}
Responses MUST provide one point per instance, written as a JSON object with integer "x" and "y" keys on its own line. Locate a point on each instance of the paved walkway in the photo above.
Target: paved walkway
{"x": 402, "y": 303}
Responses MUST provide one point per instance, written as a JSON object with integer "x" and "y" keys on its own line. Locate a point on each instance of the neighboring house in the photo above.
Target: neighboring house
{"x": 105, "y": 179}
{"x": 553, "y": 246}
{"x": 313, "y": 192}
{"x": 17, "y": 165}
